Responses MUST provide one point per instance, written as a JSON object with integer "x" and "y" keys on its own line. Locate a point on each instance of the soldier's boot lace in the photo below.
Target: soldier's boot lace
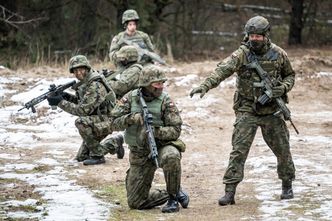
{"x": 171, "y": 206}
{"x": 228, "y": 199}
{"x": 120, "y": 152}
{"x": 183, "y": 198}
{"x": 287, "y": 190}
{"x": 94, "y": 161}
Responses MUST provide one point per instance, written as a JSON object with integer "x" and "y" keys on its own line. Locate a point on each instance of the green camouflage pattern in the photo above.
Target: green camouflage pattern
{"x": 140, "y": 38}
{"x": 78, "y": 61}
{"x": 257, "y": 25}
{"x": 250, "y": 115}
{"x": 125, "y": 79}
{"x": 140, "y": 175}
{"x": 275, "y": 62}
{"x": 275, "y": 134}
{"x": 129, "y": 15}
{"x": 127, "y": 53}
{"x": 93, "y": 123}
{"x": 151, "y": 74}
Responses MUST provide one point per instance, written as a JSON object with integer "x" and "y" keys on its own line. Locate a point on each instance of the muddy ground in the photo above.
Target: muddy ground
{"x": 207, "y": 132}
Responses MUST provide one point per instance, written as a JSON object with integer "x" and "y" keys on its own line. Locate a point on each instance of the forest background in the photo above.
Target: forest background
{"x": 50, "y": 32}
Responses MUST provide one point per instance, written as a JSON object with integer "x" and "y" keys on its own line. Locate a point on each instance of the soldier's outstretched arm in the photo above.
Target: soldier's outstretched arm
{"x": 224, "y": 69}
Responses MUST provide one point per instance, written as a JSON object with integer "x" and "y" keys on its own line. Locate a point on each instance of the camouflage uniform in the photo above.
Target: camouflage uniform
{"x": 92, "y": 103}
{"x": 139, "y": 37}
{"x": 167, "y": 128}
{"x": 125, "y": 77}
{"x": 250, "y": 114}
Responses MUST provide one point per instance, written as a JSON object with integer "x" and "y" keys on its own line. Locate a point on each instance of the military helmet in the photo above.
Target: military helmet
{"x": 78, "y": 61}
{"x": 257, "y": 25}
{"x": 127, "y": 53}
{"x": 129, "y": 15}
{"x": 151, "y": 74}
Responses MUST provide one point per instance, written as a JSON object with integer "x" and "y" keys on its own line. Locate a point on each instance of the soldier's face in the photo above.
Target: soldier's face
{"x": 131, "y": 26}
{"x": 156, "y": 88}
{"x": 80, "y": 73}
{"x": 256, "y": 37}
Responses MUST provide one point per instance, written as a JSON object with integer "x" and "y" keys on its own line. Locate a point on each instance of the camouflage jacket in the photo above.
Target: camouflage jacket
{"x": 274, "y": 61}
{"x": 170, "y": 117}
{"x": 125, "y": 80}
{"x": 92, "y": 96}
{"x": 141, "y": 38}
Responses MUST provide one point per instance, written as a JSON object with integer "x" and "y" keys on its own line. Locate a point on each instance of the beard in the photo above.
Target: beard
{"x": 256, "y": 45}
{"x": 152, "y": 91}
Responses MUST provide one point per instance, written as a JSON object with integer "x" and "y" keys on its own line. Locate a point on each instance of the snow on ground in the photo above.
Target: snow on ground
{"x": 313, "y": 178}
{"x": 29, "y": 130}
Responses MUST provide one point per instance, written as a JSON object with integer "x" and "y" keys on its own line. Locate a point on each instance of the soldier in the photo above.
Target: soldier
{"x": 125, "y": 78}
{"x": 167, "y": 128}
{"x": 93, "y": 102}
{"x": 130, "y": 20}
{"x": 250, "y": 114}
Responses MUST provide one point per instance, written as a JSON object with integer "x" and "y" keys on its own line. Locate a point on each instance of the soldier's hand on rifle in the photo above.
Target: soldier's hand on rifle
{"x": 278, "y": 91}
{"x": 198, "y": 90}
{"x": 54, "y": 100}
{"x": 135, "y": 118}
{"x": 66, "y": 96}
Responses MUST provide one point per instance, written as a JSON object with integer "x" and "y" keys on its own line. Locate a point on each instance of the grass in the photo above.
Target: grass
{"x": 116, "y": 194}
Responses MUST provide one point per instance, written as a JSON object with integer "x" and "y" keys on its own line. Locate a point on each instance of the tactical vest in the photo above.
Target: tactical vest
{"x": 137, "y": 38}
{"x": 107, "y": 105}
{"x": 154, "y": 107}
{"x": 248, "y": 82}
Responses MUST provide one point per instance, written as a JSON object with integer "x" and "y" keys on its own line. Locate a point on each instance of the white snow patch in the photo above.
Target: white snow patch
{"x": 9, "y": 156}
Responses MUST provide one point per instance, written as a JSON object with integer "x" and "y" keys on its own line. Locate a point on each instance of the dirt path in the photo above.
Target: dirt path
{"x": 207, "y": 132}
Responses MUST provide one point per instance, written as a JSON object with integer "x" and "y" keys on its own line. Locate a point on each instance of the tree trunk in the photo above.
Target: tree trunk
{"x": 296, "y": 23}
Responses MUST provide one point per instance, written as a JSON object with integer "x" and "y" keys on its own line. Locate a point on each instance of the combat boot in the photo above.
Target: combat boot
{"x": 228, "y": 199}
{"x": 120, "y": 152}
{"x": 94, "y": 161}
{"x": 183, "y": 198}
{"x": 287, "y": 190}
{"x": 171, "y": 206}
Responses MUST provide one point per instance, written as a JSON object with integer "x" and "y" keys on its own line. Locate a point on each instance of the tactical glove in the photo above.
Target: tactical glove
{"x": 278, "y": 91}
{"x": 66, "y": 96}
{"x": 54, "y": 100}
{"x": 135, "y": 118}
{"x": 198, "y": 90}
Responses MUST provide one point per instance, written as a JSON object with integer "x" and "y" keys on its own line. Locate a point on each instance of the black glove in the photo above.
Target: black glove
{"x": 278, "y": 91}
{"x": 66, "y": 96}
{"x": 198, "y": 90}
{"x": 54, "y": 100}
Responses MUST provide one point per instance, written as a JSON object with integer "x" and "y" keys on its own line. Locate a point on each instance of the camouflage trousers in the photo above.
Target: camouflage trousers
{"x": 93, "y": 130}
{"x": 141, "y": 173}
{"x": 275, "y": 134}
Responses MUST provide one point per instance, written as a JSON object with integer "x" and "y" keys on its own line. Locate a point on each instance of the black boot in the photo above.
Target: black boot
{"x": 183, "y": 198}
{"x": 287, "y": 190}
{"x": 228, "y": 199}
{"x": 171, "y": 206}
{"x": 120, "y": 152}
{"x": 94, "y": 161}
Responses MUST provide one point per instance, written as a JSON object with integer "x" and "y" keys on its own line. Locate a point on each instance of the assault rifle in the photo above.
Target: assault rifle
{"x": 51, "y": 91}
{"x": 267, "y": 83}
{"x": 142, "y": 51}
{"x": 147, "y": 118}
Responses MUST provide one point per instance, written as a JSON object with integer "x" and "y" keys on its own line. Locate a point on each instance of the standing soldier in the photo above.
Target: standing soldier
{"x": 93, "y": 102}
{"x": 130, "y": 20}
{"x": 125, "y": 79}
{"x": 167, "y": 128}
{"x": 250, "y": 113}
